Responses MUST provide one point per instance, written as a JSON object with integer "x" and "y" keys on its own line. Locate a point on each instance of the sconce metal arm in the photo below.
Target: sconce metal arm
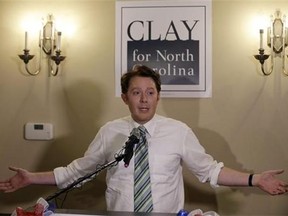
{"x": 261, "y": 57}
{"x": 285, "y": 72}
{"x": 57, "y": 59}
{"x": 54, "y": 72}
{"x": 26, "y": 57}
{"x": 284, "y": 65}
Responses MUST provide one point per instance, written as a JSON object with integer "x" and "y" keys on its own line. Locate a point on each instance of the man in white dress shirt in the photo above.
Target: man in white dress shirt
{"x": 170, "y": 142}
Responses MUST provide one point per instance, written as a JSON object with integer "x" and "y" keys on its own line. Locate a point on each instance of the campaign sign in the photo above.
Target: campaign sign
{"x": 173, "y": 38}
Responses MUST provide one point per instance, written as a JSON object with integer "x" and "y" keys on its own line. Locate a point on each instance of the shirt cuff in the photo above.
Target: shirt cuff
{"x": 60, "y": 177}
{"x": 215, "y": 174}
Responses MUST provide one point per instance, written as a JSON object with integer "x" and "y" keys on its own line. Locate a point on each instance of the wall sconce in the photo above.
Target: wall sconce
{"x": 277, "y": 40}
{"x": 49, "y": 43}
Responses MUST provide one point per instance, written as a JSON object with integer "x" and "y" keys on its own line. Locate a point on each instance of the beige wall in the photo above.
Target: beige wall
{"x": 244, "y": 124}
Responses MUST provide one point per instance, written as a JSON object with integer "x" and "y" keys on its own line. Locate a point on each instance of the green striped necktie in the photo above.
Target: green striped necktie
{"x": 142, "y": 184}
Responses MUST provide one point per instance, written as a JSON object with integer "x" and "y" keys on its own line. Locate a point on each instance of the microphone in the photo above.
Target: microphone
{"x": 129, "y": 146}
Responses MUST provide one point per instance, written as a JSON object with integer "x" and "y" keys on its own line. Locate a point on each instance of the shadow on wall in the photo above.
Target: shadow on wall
{"x": 217, "y": 146}
{"x": 81, "y": 108}
{"x": 198, "y": 195}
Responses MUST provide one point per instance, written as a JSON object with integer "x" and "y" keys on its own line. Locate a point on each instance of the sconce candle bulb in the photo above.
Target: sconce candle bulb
{"x": 46, "y": 45}
{"x": 261, "y": 38}
{"x": 26, "y": 40}
{"x": 58, "y": 41}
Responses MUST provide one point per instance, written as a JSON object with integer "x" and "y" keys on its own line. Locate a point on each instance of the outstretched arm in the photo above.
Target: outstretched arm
{"x": 23, "y": 178}
{"x": 266, "y": 181}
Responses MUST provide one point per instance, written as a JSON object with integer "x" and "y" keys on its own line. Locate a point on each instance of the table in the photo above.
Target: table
{"x": 74, "y": 212}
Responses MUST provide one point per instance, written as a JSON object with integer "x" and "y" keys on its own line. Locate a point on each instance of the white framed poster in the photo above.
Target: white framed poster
{"x": 173, "y": 38}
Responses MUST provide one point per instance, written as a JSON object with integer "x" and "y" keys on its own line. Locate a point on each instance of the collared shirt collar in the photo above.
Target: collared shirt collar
{"x": 150, "y": 125}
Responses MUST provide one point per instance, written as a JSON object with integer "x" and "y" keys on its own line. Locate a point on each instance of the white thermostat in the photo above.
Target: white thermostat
{"x": 38, "y": 131}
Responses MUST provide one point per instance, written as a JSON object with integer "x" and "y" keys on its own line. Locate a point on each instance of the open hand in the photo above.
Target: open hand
{"x": 268, "y": 182}
{"x": 19, "y": 180}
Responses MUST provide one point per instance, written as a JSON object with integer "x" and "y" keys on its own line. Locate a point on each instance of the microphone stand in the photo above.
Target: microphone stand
{"x": 88, "y": 176}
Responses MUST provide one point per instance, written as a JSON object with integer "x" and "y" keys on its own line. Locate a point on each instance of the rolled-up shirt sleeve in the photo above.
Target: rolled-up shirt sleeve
{"x": 94, "y": 155}
{"x": 203, "y": 165}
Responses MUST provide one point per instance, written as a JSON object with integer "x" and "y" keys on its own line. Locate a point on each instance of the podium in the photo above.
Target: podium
{"x": 73, "y": 212}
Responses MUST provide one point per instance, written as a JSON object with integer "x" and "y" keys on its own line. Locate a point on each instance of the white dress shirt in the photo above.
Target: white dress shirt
{"x": 170, "y": 142}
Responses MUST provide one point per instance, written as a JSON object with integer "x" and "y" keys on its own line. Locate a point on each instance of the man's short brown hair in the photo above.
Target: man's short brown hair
{"x": 141, "y": 71}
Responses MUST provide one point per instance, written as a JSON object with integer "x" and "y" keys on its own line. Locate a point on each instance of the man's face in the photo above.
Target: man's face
{"x": 142, "y": 99}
